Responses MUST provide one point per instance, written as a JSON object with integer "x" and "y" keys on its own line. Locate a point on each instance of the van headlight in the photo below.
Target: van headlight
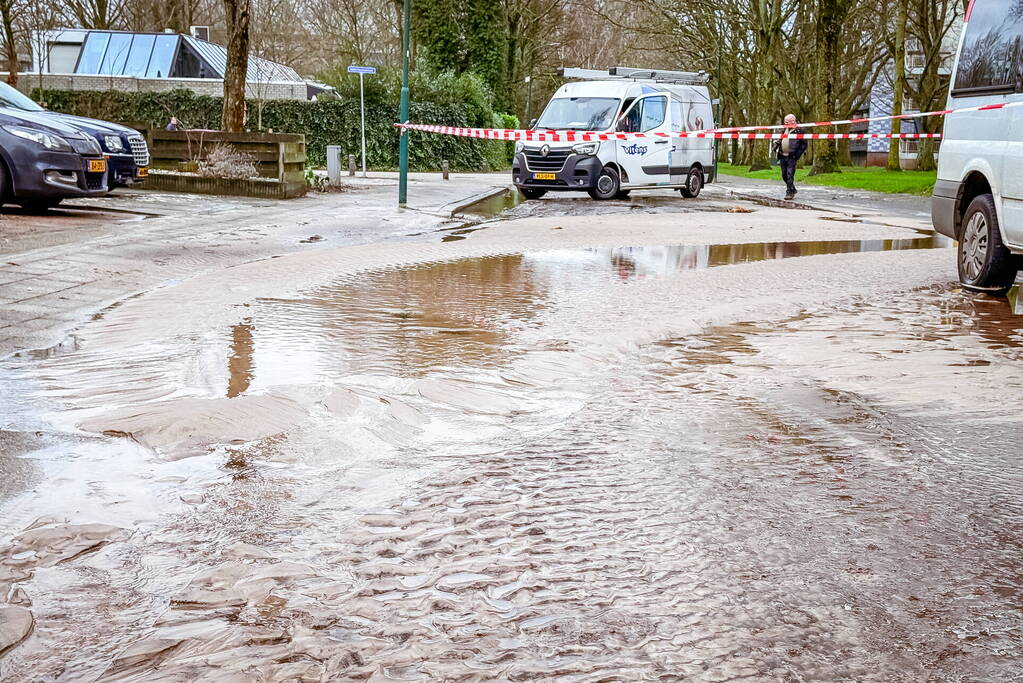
{"x": 47, "y": 140}
{"x": 519, "y": 146}
{"x": 586, "y": 148}
{"x": 113, "y": 143}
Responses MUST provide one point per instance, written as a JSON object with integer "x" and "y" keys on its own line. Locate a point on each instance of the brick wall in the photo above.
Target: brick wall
{"x": 204, "y": 86}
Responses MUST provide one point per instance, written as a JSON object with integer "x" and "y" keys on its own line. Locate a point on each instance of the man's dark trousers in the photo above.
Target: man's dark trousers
{"x": 788, "y": 172}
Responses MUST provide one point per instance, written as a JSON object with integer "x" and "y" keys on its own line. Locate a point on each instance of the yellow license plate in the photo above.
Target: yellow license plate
{"x": 544, "y": 176}
{"x": 97, "y": 165}
{"x": 143, "y": 172}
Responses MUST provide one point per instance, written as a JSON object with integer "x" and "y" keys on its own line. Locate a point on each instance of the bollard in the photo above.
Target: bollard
{"x": 444, "y": 169}
{"x": 333, "y": 164}
{"x": 351, "y": 164}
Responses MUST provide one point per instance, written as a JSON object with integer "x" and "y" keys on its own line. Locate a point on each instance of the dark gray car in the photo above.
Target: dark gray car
{"x": 45, "y": 161}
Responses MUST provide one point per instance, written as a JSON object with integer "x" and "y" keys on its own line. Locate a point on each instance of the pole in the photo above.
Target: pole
{"x": 403, "y": 109}
{"x": 529, "y": 96}
{"x": 362, "y": 102}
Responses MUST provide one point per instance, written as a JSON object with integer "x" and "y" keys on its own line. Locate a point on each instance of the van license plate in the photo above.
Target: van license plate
{"x": 97, "y": 165}
{"x": 544, "y": 176}
{"x": 143, "y": 172}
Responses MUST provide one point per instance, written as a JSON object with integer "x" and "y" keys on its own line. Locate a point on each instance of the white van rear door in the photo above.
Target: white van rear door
{"x": 645, "y": 161}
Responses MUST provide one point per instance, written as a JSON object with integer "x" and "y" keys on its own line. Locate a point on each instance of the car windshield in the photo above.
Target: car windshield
{"x": 9, "y": 97}
{"x": 579, "y": 113}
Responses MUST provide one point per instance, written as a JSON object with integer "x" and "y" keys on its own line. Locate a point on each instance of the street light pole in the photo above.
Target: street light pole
{"x": 403, "y": 109}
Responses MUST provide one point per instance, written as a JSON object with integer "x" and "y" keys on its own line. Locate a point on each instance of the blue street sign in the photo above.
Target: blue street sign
{"x": 362, "y": 69}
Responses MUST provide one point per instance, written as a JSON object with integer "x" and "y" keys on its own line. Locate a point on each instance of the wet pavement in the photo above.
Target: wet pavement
{"x": 701, "y": 455}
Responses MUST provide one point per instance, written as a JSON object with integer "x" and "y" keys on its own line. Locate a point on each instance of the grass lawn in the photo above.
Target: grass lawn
{"x": 852, "y": 177}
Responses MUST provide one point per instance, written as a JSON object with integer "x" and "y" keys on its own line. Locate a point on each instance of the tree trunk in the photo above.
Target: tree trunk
{"x": 830, "y": 15}
{"x": 10, "y": 43}
{"x": 236, "y": 15}
{"x": 900, "y": 84}
{"x": 761, "y": 155}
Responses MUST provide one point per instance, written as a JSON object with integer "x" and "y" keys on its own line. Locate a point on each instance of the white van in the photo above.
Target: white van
{"x": 622, "y": 100}
{"x": 978, "y": 197}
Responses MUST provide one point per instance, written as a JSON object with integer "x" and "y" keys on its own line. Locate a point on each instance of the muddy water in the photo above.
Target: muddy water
{"x": 784, "y": 501}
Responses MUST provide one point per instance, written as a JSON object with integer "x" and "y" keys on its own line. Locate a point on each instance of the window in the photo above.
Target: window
{"x": 138, "y": 58}
{"x": 92, "y": 53}
{"x": 645, "y": 115}
{"x": 163, "y": 56}
{"x": 991, "y": 59}
{"x": 654, "y": 110}
{"x": 117, "y": 53}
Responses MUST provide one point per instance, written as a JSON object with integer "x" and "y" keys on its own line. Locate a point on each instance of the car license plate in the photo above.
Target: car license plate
{"x": 544, "y": 176}
{"x": 143, "y": 172}
{"x": 97, "y": 165}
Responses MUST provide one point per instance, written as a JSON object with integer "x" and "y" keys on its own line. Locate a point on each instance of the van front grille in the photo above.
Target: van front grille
{"x": 552, "y": 163}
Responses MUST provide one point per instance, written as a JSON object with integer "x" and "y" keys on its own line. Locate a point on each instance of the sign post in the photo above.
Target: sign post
{"x": 362, "y": 71}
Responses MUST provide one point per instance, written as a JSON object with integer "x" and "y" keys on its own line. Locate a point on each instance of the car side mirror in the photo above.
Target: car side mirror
{"x": 532, "y": 124}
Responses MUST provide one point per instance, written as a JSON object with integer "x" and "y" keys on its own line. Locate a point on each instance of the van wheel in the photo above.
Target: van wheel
{"x": 985, "y": 265}
{"x": 694, "y": 183}
{"x": 532, "y": 194}
{"x": 609, "y": 184}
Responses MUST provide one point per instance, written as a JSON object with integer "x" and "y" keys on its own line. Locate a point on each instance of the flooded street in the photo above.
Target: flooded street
{"x": 758, "y": 444}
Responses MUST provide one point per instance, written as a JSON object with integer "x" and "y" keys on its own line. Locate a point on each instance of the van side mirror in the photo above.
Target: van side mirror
{"x": 532, "y": 124}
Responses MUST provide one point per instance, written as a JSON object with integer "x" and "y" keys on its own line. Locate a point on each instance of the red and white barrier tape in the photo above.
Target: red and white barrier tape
{"x": 913, "y": 115}
{"x": 586, "y": 136}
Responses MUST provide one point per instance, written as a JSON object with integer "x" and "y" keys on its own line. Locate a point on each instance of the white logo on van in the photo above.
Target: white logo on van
{"x": 635, "y": 149}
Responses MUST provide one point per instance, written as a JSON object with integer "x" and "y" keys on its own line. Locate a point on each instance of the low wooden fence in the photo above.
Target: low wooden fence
{"x": 279, "y": 156}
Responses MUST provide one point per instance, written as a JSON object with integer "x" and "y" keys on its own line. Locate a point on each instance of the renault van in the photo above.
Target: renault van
{"x": 978, "y": 196}
{"x": 627, "y": 101}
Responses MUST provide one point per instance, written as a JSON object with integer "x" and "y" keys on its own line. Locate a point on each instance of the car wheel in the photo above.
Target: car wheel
{"x": 609, "y": 184}
{"x": 532, "y": 194}
{"x": 5, "y": 185}
{"x": 39, "y": 205}
{"x": 985, "y": 264}
{"x": 694, "y": 183}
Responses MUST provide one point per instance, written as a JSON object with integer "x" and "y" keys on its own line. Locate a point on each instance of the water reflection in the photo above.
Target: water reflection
{"x": 239, "y": 365}
{"x": 411, "y": 321}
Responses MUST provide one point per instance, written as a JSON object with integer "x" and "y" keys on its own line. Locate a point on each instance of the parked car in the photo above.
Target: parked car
{"x": 45, "y": 160}
{"x": 978, "y": 196}
{"x": 629, "y": 101}
{"x": 125, "y": 149}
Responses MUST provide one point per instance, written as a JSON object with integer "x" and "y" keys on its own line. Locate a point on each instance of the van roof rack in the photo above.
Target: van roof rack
{"x": 625, "y": 72}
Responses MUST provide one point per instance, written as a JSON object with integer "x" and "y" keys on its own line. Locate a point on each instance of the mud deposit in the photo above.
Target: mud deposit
{"x": 415, "y": 476}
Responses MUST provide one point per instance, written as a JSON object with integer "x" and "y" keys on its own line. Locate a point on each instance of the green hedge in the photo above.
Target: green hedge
{"x": 325, "y": 122}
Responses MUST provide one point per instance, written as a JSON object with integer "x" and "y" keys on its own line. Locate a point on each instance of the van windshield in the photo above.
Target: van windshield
{"x": 579, "y": 113}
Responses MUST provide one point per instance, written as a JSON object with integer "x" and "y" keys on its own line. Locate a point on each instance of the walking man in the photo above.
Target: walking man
{"x": 789, "y": 151}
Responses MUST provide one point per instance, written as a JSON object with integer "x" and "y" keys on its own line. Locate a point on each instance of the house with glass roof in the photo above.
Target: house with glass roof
{"x": 86, "y": 59}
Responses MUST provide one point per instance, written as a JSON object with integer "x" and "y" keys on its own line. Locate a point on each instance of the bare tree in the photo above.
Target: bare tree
{"x": 237, "y": 15}
{"x": 10, "y": 13}
{"x": 899, "y": 84}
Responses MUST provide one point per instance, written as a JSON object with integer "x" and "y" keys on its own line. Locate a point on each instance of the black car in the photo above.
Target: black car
{"x": 45, "y": 160}
{"x": 125, "y": 149}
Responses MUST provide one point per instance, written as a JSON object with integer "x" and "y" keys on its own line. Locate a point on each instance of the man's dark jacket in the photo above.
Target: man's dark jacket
{"x": 797, "y": 148}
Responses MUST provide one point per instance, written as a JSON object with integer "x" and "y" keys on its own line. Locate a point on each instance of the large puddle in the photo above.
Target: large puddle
{"x": 400, "y": 477}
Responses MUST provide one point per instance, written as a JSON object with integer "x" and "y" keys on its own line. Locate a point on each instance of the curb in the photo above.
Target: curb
{"x": 453, "y": 208}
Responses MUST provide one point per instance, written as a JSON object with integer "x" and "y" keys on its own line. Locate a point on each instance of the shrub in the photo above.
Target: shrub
{"x": 223, "y": 161}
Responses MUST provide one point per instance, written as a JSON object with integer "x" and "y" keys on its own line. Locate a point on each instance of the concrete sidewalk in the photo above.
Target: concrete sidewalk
{"x": 53, "y": 276}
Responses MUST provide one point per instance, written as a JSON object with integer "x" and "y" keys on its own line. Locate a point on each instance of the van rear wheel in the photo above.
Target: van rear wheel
{"x": 532, "y": 194}
{"x": 985, "y": 264}
{"x": 609, "y": 184}
{"x": 694, "y": 183}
